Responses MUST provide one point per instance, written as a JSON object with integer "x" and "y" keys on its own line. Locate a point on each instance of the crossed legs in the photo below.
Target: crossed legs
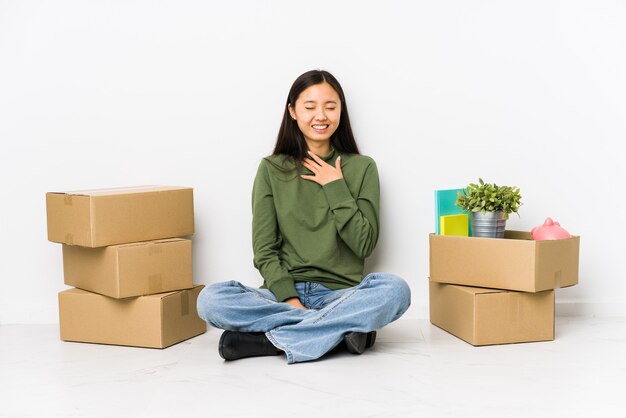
{"x": 305, "y": 335}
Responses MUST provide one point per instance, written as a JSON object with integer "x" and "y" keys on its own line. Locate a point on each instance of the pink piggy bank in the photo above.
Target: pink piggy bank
{"x": 549, "y": 230}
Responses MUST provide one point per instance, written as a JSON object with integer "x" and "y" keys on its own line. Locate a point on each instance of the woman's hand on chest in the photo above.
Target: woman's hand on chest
{"x": 323, "y": 173}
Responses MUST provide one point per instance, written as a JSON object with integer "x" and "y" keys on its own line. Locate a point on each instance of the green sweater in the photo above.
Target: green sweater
{"x": 304, "y": 232}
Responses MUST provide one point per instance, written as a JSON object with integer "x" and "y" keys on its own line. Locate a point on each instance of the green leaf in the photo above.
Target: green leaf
{"x": 489, "y": 196}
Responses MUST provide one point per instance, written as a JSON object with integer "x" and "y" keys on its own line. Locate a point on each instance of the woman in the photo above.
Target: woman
{"x": 315, "y": 208}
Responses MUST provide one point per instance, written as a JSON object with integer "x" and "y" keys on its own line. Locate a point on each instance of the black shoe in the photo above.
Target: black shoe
{"x": 357, "y": 342}
{"x": 235, "y": 345}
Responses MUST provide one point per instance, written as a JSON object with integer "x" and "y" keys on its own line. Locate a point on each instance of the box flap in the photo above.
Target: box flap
{"x": 480, "y": 290}
{"x": 121, "y": 190}
{"x": 144, "y": 243}
{"x": 168, "y": 294}
{"x": 75, "y": 291}
{"x": 510, "y": 234}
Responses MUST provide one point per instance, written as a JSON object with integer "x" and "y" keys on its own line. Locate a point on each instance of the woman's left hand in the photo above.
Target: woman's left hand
{"x": 323, "y": 172}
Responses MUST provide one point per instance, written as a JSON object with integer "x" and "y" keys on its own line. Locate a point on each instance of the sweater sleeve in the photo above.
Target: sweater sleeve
{"x": 356, "y": 217}
{"x": 266, "y": 239}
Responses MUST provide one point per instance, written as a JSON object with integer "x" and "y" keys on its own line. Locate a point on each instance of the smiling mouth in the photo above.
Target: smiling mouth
{"x": 320, "y": 127}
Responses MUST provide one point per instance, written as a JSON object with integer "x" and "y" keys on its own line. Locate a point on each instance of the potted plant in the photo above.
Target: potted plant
{"x": 489, "y": 206}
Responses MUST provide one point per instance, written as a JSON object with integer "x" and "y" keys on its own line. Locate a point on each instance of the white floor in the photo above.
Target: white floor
{"x": 414, "y": 370}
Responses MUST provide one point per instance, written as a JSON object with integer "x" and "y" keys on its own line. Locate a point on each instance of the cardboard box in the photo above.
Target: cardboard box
{"x": 126, "y": 270}
{"x": 97, "y": 218}
{"x": 156, "y": 321}
{"x": 490, "y": 316}
{"x": 515, "y": 262}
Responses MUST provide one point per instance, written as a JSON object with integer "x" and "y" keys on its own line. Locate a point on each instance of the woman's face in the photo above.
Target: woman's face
{"x": 317, "y": 111}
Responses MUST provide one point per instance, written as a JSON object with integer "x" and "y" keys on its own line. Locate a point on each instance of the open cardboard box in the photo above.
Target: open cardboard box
{"x": 155, "y": 321}
{"x": 127, "y": 270}
{"x": 515, "y": 262}
{"x": 97, "y": 218}
{"x": 482, "y": 316}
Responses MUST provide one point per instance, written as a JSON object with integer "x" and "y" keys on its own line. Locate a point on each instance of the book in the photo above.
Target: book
{"x": 444, "y": 206}
{"x": 457, "y": 225}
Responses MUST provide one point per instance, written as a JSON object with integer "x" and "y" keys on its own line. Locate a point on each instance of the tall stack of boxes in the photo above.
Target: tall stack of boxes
{"x": 131, "y": 271}
{"x": 497, "y": 291}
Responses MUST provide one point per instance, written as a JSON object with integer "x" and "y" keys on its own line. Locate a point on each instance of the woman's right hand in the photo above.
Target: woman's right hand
{"x": 295, "y": 302}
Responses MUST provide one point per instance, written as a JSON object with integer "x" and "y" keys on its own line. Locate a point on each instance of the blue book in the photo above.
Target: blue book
{"x": 444, "y": 206}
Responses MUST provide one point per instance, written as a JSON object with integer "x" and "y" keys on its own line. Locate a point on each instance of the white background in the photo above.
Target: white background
{"x": 121, "y": 93}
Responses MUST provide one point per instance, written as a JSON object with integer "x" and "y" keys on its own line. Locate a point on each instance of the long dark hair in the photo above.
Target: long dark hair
{"x": 290, "y": 140}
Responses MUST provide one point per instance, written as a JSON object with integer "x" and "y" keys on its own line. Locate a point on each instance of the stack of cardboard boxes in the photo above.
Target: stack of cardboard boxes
{"x": 132, "y": 275}
{"x": 497, "y": 291}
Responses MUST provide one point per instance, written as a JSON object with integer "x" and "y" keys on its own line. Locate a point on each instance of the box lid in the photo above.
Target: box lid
{"x": 121, "y": 190}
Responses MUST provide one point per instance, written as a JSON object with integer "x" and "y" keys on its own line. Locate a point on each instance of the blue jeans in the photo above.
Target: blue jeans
{"x": 306, "y": 335}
